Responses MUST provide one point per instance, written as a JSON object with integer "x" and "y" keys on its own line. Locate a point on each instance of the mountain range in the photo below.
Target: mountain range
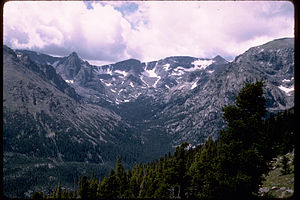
{"x": 63, "y": 117}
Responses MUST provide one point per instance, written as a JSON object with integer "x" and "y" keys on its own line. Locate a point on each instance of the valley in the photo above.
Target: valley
{"x": 63, "y": 117}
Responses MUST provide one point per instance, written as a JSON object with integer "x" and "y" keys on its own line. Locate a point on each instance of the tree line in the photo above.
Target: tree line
{"x": 229, "y": 167}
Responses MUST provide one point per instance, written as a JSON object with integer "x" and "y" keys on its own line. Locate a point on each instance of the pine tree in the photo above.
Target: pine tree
{"x": 180, "y": 169}
{"x": 202, "y": 171}
{"x": 241, "y": 160}
{"x": 121, "y": 177}
{"x": 134, "y": 185}
{"x": 92, "y": 188}
{"x": 58, "y": 191}
{"x": 83, "y": 187}
{"x": 144, "y": 188}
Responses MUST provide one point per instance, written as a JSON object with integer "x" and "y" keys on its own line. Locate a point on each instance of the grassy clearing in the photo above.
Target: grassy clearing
{"x": 276, "y": 184}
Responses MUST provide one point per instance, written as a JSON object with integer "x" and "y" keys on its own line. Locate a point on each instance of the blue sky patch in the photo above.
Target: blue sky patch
{"x": 88, "y": 4}
{"x": 127, "y": 8}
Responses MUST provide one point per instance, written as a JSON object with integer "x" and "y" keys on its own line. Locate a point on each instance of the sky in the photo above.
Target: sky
{"x": 107, "y": 32}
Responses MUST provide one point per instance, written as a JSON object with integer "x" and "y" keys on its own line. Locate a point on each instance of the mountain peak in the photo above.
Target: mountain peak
{"x": 219, "y": 59}
{"x": 69, "y": 66}
{"x": 72, "y": 59}
{"x": 73, "y": 54}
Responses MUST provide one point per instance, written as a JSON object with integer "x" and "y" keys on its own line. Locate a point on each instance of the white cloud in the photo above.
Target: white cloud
{"x": 65, "y": 27}
{"x": 113, "y": 31}
{"x": 204, "y": 29}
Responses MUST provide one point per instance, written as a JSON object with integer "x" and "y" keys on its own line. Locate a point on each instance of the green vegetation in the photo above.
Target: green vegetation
{"x": 277, "y": 184}
{"x": 234, "y": 166}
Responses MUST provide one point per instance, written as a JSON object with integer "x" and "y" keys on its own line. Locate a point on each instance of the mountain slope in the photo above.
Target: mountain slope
{"x": 45, "y": 123}
{"x": 183, "y": 95}
{"x": 53, "y": 106}
{"x": 63, "y": 110}
{"x": 203, "y": 108}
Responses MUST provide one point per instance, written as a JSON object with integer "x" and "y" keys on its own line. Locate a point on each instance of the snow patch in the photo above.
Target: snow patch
{"x": 109, "y": 71}
{"x": 178, "y": 71}
{"x": 100, "y": 70}
{"x": 210, "y": 71}
{"x": 166, "y": 66}
{"x": 108, "y": 84}
{"x": 109, "y": 101}
{"x": 194, "y": 85}
{"x": 131, "y": 84}
{"x": 70, "y": 81}
{"x": 202, "y": 63}
{"x": 120, "y": 91}
{"x": 286, "y": 80}
{"x": 151, "y": 73}
{"x": 286, "y": 90}
{"x": 121, "y": 72}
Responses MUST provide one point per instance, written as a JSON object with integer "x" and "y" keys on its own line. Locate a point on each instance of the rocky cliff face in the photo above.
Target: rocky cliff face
{"x": 66, "y": 110}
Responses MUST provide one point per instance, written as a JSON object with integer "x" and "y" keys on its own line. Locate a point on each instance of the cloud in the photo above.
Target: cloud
{"x": 204, "y": 29}
{"x": 49, "y": 27}
{"x": 113, "y": 31}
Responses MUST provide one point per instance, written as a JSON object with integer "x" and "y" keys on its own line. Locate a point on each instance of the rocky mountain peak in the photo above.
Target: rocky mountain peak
{"x": 74, "y": 54}
{"x": 73, "y": 59}
{"x": 219, "y": 59}
{"x": 69, "y": 66}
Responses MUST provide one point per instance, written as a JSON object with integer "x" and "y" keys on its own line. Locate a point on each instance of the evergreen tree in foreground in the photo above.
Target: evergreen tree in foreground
{"x": 241, "y": 162}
